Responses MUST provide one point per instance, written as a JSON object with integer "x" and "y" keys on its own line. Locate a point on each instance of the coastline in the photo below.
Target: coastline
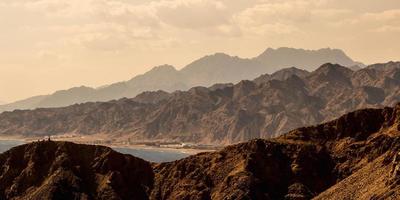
{"x": 20, "y": 139}
{"x": 161, "y": 149}
{"x": 100, "y": 140}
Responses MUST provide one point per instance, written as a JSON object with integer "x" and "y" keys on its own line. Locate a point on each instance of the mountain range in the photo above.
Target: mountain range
{"x": 206, "y": 71}
{"x": 356, "y": 156}
{"x": 224, "y": 113}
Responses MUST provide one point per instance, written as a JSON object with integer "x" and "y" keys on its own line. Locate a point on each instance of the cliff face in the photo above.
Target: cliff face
{"x": 62, "y": 170}
{"x": 353, "y": 157}
{"x": 224, "y": 113}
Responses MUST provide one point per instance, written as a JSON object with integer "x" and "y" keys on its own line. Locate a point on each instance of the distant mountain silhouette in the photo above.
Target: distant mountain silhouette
{"x": 209, "y": 70}
{"x": 221, "y": 68}
{"x": 28, "y": 103}
{"x": 223, "y": 113}
{"x": 276, "y": 59}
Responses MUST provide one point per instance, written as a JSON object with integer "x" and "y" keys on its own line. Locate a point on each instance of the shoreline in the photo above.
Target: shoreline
{"x": 161, "y": 149}
{"x": 114, "y": 145}
{"x": 19, "y": 139}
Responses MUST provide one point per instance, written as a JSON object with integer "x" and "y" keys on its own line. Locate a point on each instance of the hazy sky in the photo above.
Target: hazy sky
{"x": 46, "y": 45}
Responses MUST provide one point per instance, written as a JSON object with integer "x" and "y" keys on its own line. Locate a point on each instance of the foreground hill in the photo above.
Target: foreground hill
{"x": 62, "y": 170}
{"x": 348, "y": 158}
{"x": 217, "y": 68}
{"x": 224, "y": 113}
{"x": 352, "y": 157}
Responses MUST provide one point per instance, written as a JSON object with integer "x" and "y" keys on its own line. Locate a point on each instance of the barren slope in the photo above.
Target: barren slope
{"x": 224, "y": 113}
{"x": 62, "y": 170}
{"x": 352, "y": 157}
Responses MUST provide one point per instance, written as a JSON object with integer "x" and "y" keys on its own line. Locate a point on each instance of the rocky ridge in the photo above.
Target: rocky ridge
{"x": 353, "y": 157}
{"x": 317, "y": 161}
{"x": 222, "y": 114}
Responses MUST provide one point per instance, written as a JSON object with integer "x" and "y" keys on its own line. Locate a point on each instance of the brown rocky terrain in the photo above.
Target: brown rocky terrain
{"x": 224, "y": 113}
{"x": 348, "y": 158}
{"x": 62, "y": 170}
{"x": 352, "y": 157}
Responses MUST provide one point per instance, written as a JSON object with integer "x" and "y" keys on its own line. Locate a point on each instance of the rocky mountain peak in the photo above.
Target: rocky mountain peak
{"x": 162, "y": 69}
{"x": 333, "y": 68}
{"x": 152, "y": 97}
{"x": 288, "y": 72}
{"x": 304, "y": 59}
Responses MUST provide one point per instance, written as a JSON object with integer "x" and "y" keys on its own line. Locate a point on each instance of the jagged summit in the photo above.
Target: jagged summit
{"x": 332, "y": 72}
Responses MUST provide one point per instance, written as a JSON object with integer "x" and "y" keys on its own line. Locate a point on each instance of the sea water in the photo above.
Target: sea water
{"x": 8, "y": 144}
{"x": 152, "y": 155}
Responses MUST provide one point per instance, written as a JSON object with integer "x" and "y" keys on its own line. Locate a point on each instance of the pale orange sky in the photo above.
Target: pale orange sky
{"x": 47, "y": 45}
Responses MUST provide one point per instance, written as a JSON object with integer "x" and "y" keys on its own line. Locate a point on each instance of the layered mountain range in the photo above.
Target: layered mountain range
{"x": 353, "y": 157}
{"x": 217, "y": 68}
{"x": 224, "y": 113}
